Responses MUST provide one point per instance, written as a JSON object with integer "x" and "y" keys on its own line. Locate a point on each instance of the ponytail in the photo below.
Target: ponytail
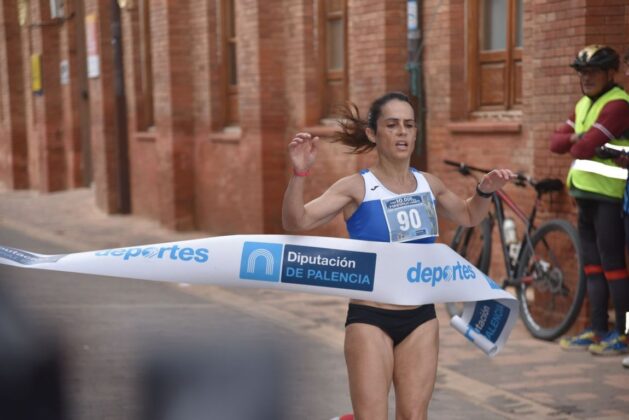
{"x": 353, "y": 131}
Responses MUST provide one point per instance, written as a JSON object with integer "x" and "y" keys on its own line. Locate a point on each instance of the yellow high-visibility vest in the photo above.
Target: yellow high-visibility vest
{"x": 596, "y": 175}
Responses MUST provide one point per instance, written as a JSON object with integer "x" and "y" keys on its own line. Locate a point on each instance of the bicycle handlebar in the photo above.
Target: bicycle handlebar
{"x": 542, "y": 186}
{"x": 465, "y": 169}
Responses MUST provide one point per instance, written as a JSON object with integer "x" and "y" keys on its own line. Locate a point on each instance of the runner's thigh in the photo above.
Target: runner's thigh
{"x": 415, "y": 370}
{"x": 369, "y": 357}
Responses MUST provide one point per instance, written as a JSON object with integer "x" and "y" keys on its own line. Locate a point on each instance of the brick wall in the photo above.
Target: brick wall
{"x": 229, "y": 164}
{"x": 302, "y": 77}
{"x": 13, "y": 151}
{"x": 104, "y": 146}
{"x": 188, "y": 172}
{"x": 174, "y": 111}
{"x": 273, "y": 111}
{"x": 304, "y": 84}
{"x": 48, "y": 115}
{"x": 31, "y": 138}
{"x": 70, "y": 97}
{"x": 143, "y": 158}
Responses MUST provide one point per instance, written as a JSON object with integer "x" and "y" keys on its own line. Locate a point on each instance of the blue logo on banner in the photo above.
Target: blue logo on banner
{"x": 489, "y": 318}
{"x": 167, "y": 252}
{"x": 435, "y": 274}
{"x": 261, "y": 261}
{"x": 329, "y": 267}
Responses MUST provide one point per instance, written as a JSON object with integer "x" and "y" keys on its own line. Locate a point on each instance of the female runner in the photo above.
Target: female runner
{"x": 385, "y": 344}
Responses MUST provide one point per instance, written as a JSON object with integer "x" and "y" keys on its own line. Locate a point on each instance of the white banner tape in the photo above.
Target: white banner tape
{"x": 401, "y": 274}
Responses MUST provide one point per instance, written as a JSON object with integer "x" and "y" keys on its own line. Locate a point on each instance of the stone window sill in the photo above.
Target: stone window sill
{"x": 485, "y": 127}
{"x": 229, "y": 135}
{"x": 489, "y": 122}
{"x": 327, "y": 128}
{"x": 146, "y": 136}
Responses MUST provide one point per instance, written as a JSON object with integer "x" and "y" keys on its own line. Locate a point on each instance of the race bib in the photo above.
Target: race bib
{"x": 410, "y": 217}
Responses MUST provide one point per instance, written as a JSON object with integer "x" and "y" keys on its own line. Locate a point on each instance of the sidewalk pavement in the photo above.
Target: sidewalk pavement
{"x": 528, "y": 379}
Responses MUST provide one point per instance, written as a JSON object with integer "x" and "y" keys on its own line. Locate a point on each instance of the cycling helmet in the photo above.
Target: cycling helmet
{"x": 597, "y": 56}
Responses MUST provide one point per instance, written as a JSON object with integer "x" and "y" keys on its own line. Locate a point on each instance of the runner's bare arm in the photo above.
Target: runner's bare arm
{"x": 470, "y": 211}
{"x": 297, "y": 216}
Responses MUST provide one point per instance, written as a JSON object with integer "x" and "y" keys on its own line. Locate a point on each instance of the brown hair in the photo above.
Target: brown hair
{"x": 353, "y": 128}
{"x": 625, "y": 57}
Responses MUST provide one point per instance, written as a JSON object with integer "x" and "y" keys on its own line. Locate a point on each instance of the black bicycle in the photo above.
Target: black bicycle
{"x": 545, "y": 266}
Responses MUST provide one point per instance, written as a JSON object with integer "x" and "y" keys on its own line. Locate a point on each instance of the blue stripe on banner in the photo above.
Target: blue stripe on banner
{"x": 489, "y": 319}
{"x": 329, "y": 267}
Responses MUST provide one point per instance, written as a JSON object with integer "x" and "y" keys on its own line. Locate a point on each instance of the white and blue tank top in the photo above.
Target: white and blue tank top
{"x": 385, "y": 216}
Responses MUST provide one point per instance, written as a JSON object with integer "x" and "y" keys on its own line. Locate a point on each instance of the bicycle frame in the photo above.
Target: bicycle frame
{"x": 535, "y": 269}
{"x": 499, "y": 200}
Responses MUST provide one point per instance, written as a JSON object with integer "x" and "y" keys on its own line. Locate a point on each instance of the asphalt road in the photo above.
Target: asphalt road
{"x": 111, "y": 329}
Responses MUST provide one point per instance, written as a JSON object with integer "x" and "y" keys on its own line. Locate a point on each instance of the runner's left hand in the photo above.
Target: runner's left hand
{"x": 495, "y": 180}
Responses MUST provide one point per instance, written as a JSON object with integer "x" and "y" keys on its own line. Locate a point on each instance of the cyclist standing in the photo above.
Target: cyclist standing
{"x": 601, "y": 116}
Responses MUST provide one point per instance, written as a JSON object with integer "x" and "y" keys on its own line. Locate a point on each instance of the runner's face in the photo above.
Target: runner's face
{"x": 593, "y": 80}
{"x": 396, "y": 129}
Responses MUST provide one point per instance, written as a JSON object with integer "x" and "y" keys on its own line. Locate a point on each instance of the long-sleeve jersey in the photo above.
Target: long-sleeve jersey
{"x": 612, "y": 123}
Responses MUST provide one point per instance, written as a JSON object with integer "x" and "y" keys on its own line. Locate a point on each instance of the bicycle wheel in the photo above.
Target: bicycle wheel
{"x": 473, "y": 244}
{"x": 552, "y": 281}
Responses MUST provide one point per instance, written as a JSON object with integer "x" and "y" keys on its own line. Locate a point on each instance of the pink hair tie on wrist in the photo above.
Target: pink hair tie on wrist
{"x": 298, "y": 173}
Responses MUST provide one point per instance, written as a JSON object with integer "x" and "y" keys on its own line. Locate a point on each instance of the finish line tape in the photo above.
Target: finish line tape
{"x": 401, "y": 274}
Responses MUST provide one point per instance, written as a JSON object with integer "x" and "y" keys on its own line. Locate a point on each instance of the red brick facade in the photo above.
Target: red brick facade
{"x": 184, "y": 168}
{"x": 13, "y": 146}
{"x": 188, "y": 171}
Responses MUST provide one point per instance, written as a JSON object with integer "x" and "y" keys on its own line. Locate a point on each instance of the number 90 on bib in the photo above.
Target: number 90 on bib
{"x": 410, "y": 217}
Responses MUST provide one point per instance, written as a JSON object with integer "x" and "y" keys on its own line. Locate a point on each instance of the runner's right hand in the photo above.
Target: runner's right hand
{"x": 302, "y": 151}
